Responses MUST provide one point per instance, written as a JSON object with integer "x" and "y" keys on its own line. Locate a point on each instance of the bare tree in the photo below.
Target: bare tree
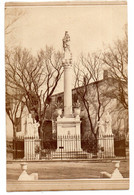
{"x": 35, "y": 77}
{"x": 14, "y": 110}
{"x": 116, "y": 58}
{"x": 90, "y": 89}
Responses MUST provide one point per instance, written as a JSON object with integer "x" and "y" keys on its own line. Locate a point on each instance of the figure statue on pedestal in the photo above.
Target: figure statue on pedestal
{"x": 66, "y": 47}
{"x": 29, "y": 126}
{"x": 105, "y": 125}
{"x": 101, "y": 128}
{"x": 108, "y": 124}
{"x": 66, "y": 42}
{"x": 35, "y": 126}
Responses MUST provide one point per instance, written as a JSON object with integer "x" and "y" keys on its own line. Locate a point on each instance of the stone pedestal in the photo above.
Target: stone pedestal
{"x": 116, "y": 174}
{"x": 30, "y": 144}
{"x": 24, "y": 175}
{"x": 68, "y": 134}
{"x": 109, "y": 146}
{"x": 68, "y": 127}
{"x": 107, "y": 143}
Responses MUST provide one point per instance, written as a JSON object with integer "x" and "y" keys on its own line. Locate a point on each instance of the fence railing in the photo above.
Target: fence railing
{"x": 65, "y": 147}
{"x": 18, "y": 148}
{"x": 68, "y": 147}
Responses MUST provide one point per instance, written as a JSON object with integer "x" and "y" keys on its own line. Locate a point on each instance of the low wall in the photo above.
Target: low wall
{"x": 72, "y": 184}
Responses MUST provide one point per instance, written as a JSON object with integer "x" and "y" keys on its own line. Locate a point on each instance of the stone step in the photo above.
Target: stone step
{"x": 70, "y": 155}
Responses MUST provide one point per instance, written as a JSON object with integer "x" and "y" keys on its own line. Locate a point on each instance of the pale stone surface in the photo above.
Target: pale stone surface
{"x": 108, "y": 124}
{"x": 24, "y": 176}
{"x": 35, "y": 126}
{"x": 105, "y": 125}
{"x": 29, "y": 132}
{"x": 101, "y": 128}
{"x": 66, "y": 47}
{"x": 69, "y": 129}
{"x": 34, "y": 176}
{"x": 108, "y": 146}
{"x": 67, "y": 64}
{"x": 107, "y": 142}
{"x": 67, "y": 91}
{"x": 116, "y": 174}
{"x": 105, "y": 135}
{"x": 31, "y": 136}
{"x": 31, "y": 127}
{"x": 29, "y": 148}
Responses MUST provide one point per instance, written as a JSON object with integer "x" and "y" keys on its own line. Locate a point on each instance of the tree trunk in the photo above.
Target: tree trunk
{"x": 41, "y": 133}
{"x": 14, "y": 131}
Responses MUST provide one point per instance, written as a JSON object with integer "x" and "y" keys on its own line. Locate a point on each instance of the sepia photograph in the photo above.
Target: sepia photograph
{"x": 66, "y": 95}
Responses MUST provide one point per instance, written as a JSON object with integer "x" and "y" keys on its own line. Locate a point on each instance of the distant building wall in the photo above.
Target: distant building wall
{"x": 119, "y": 117}
{"x": 107, "y": 86}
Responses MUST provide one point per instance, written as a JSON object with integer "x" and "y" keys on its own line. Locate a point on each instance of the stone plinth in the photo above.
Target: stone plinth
{"x": 24, "y": 175}
{"x": 109, "y": 146}
{"x": 107, "y": 143}
{"x": 68, "y": 134}
{"x": 30, "y": 144}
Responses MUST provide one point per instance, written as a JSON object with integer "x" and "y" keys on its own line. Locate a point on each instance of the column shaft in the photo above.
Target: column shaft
{"x": 67, "y": 91}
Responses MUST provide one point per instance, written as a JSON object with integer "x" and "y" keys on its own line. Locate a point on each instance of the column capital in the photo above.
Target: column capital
{"x": 67, "y": 63}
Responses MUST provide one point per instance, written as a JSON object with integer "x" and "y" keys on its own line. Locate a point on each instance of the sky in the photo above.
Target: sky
{"x": 91, "y": 28}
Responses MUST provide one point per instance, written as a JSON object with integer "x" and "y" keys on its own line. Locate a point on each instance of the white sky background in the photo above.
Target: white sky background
{"x": 91, "y": 28}
{"x": 131, "y": 106}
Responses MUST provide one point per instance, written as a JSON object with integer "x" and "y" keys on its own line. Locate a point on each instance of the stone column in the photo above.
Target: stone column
{"x": 67, "y": 64}
{"x": 68, "y": 126}
{"x": 67, "y": 91}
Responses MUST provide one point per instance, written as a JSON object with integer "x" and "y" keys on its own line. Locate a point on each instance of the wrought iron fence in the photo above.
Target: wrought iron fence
{"x": 65, "y": 147}
{"x": 68, "y": 147}
{"x": 18, "y": 148}
{"x": 9, "y": 150}
{"x": 120, "y": 147}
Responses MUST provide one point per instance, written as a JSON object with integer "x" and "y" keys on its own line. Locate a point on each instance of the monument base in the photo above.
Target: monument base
{"x": 107, "y": 143}
{"x": 31, "y": 144}
{"x": 75, "y": 155}
{"x": 68, "y": 134}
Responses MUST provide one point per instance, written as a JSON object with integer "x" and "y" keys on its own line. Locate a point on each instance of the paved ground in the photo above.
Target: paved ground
{"x": 66, "y": 170}
{"x": 68, "y": 184}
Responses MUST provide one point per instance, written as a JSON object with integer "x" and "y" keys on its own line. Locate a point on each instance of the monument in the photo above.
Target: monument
{"x": 31, "y": 139}
{"x": 68, "y": 127}
{"x": 105, "y": 135}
